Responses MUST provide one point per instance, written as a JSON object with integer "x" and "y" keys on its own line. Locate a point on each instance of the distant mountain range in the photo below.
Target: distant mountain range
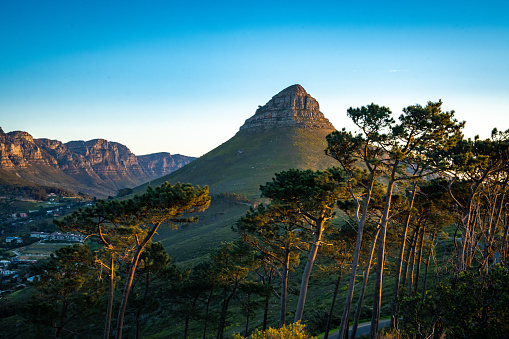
{"x": 96, "y": 167}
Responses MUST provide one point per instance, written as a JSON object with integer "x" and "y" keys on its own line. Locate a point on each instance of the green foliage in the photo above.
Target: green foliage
{"x": 470, "y": 305}
{"x": 292, "y": 331}
{"x": 124, "y": 191}
{"x": 312, "y": 193}
{"x": 66, "y": 290}
{"x": 166, "y": 203}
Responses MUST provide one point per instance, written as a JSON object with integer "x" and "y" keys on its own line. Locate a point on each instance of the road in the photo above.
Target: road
{"x": 362, "y": 329}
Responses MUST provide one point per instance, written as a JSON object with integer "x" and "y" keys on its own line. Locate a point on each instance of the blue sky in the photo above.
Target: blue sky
{"x": 182, "y": 77}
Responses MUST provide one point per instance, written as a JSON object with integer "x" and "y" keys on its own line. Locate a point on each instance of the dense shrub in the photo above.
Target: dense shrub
{"x": 472, "y": 304}
{"x": 292, "y": 331}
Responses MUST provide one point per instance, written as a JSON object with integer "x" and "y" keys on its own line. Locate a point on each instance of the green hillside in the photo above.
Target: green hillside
{"x": 192, "y": 243}
{"x": 250, "y": 159}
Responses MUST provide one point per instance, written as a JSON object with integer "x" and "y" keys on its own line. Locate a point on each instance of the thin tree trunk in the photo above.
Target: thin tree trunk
{"x": 284, "y": 289}
{"x": 503, "y": 255}
{"x": 307, "y": 269}
{"x": 493, "y": 226}
{"x": 60, "y": 327}
{"x": 247, "y": 315}
{"x": 419, "y": 258}
{"x": 343, "y": 328}
{"x": 188, "y": 318}
{"x": 109, "y": 311}
{"x": 399, "y": 265}
{"x": 411, "y": 264}
{"x": 405, "y": 263}
{"x": 207, "y": 315}
{"x": 140, "y": 307}
{"x": 377, "y": 303}
{"x": 266, "y": 308}
{"x": 427, "y": 265}
{"x": 333, "y": 303}
{"x": 363, "y": 288}
{"x": 129, "y": 280}
{"x": 224, "y": 311}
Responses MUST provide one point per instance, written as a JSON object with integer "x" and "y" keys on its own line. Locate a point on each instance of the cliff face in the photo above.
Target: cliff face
{"x": 158, "y": 164}
{"x": 18, "y": 149}
{"x": 292, "y": 106}
{"x": 112, "y": 162}
{"x": 99, "y": 164}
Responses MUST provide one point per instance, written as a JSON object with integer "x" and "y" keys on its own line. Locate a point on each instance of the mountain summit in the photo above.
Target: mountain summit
{"x": 293, "y": 106}
{"x": 288, "y": 132}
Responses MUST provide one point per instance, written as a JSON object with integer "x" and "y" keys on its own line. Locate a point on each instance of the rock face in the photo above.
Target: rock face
{"x": 18, "y": 149}
{"x": 99, "y": 164}
{"x": 292, "y": 106}
{"x": 158, "y": 164}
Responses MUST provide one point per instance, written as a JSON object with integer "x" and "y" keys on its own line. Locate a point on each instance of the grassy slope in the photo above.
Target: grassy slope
{"x": 192, "y": 243}
{"x": 46, "y": 176}
{"x": 250, "y": 159}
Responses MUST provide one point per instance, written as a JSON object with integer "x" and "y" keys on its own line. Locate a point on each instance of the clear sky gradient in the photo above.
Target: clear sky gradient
{"x": 183, "y": 76}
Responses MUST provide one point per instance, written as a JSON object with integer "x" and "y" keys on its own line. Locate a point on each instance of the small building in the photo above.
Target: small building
{"x": 23, "y": 215}
{"x": 40, "y": 235}
{"x": 7, "y": 272}
{"x": 23, "y": 262}
{"x": 4, "y": 263}
{"x": 16, "y": 240}
{"x": 66, "y": 237}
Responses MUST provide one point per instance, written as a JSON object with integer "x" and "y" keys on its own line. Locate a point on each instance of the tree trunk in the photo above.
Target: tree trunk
{"x": 377, "y": 303}
{"x": 266, "y": 308}
{"x": 419, "y": 258}
{"x": 307, "y": 269}
{"x": 284, "y": 288}
{"x": 427, "y": 266}
{"x": 188, "y": 317}
{"x": 406, "y": 264}
{"x": 109, "y": 311}
{"x": 399, "y": 265}
{"x": 363, "y": 288}
{"x": 207, "y": 315}
{"x": 503, "y": 255}
{"x": 140, "y": 307}
{"x": 331, "y": 310}
{"x": 224, "y": 311}
{"x": 343, "y": 328}
{"x": 493, "y": 226}
{"x": 247, "y": 315}
{"x": 411, "y": 263}
{"x": 129, "y": 280}
{"x": 60, "y": 327}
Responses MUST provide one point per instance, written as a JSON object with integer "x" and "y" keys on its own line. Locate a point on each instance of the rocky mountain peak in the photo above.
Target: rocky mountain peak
{"x": 293, "y": 106}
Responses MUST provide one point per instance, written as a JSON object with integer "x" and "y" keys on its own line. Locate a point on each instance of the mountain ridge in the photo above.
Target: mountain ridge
{"x": 97, "y": 167}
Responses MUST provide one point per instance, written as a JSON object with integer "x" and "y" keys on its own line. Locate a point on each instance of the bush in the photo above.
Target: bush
{"x": 471, "y": 305}
{"x": 292, "y": 331}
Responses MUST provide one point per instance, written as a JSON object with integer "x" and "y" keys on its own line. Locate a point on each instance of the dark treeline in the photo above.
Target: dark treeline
{"x": 411, "y": 201}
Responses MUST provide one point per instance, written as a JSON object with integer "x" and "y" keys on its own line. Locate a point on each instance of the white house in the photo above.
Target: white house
{"x": 40, "y": 235}
{"x": 17, "y": 240}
